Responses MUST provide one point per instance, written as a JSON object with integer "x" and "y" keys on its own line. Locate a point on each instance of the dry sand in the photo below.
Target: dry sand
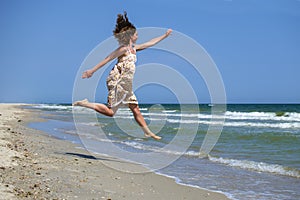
{"x": 35, "y": 165}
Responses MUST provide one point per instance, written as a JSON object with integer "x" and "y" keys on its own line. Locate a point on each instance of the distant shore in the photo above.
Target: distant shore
{"x": 35, "y": 165}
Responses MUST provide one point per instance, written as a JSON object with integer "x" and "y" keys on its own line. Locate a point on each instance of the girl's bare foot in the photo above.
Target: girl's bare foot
{"x": 80, "y": 103}
{"x": 156, "y": 137}
{"x": 148, "y": 133}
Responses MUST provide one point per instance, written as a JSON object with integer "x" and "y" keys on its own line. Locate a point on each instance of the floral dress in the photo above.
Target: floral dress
{"x": 119, "y": 81}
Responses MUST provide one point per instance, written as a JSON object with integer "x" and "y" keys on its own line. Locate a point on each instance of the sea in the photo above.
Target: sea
{"x": 256, "y": 156}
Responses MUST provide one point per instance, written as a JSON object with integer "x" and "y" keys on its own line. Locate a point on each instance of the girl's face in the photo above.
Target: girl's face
{"x": 134, "y": 37}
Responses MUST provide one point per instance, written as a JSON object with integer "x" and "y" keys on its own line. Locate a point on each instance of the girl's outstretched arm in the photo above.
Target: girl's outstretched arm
{"x": 115, "y": 54}
{"x": 153, "y": 42}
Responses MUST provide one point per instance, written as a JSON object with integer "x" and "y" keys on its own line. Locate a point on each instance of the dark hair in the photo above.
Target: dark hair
{"x": 124, "y": 29}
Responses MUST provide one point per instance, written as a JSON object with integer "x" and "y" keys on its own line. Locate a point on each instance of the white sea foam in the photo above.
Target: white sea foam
{"x": 128, "y": 110}
{"x": 135, "y": 144}
{"x": 55, "y": 107}
{"x": 285, "y": 125}
{"x": 93, "y": 124}
{"x": 258, "y": 166}
{"x": 169, "y": 111}
{"x": 52, "y": 107}
{"x": 289, "y": 116}
{"x": 70, "y": 131}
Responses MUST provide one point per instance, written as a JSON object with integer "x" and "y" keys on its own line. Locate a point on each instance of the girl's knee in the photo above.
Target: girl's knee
{"x": 110, "y": 113}
{"x": 105, "y": 111}
{"x": 134, "y": 108}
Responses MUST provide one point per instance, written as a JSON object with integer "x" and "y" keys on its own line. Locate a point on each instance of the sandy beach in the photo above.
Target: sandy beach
{"x": 35, "y": 165}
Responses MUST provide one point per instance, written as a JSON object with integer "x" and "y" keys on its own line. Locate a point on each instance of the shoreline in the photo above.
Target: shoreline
{"x": 39, "y": 166}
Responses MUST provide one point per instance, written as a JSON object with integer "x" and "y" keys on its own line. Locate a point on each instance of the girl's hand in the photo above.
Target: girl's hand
{"x": 87, "y": 74}
{"x": 169, "y": 31}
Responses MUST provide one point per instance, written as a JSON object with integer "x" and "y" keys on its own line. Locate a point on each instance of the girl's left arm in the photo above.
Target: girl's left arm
{"x": 153, "y": 42}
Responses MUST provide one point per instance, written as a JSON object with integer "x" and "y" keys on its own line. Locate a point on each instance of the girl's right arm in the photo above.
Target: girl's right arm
{"x": 115, "y": 54}
{"x": 153, "y": 42}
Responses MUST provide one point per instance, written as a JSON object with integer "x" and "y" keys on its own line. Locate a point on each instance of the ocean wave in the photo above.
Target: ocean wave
{"x": 169, "y": 111}
{"x": 60, "y": 108}
{"x": 283, "y": 125}
{"x": 52, "y": 107}
{"x": 243, "y": 124}
{"x": 136, "y": 144}
{"x": 258, "y": 166}
{"x": 228, "y": 115}
{"x": 140, "y": 146}
{"x": 271, "y": 116}
{"x": 128, "y": 109}
{"x": 263, "y": 125}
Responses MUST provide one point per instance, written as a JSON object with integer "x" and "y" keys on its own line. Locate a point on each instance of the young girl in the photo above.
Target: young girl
{"x": 119, "y": 81}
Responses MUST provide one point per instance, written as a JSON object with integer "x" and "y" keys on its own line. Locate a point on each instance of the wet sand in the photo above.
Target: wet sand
{"x": 35, "y": 165}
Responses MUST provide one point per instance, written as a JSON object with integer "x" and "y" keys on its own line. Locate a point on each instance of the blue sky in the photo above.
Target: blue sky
{"x": 255, "y": 45}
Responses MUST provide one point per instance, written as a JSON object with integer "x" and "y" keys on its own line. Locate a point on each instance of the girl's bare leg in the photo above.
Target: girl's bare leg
{"x": 100, "y": 108}
{"x": 141, "y": 121}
